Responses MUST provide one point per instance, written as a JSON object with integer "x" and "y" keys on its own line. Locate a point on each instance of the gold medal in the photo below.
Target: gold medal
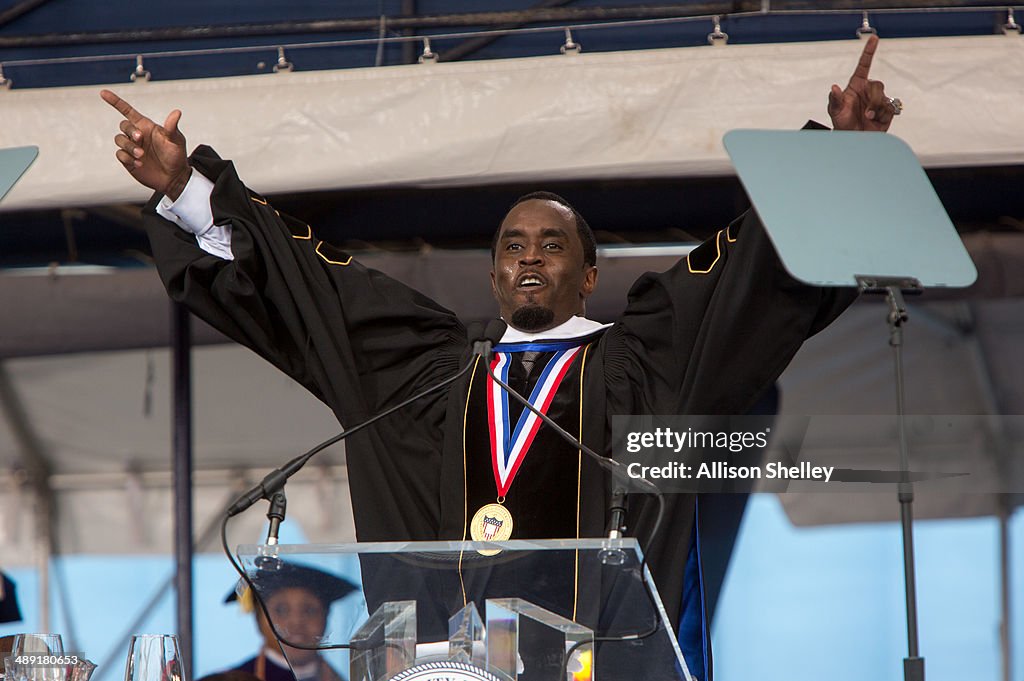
{"x": 492, "y": 522}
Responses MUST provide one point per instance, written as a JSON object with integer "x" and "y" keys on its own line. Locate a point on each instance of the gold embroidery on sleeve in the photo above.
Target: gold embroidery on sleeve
{"x": 333, "y": 262}
{"x": 718, "y": 256}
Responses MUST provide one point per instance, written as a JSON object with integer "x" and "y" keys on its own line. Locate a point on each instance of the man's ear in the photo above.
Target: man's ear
{"x": 494, "y": 288}
{"x": 589, "y": 282}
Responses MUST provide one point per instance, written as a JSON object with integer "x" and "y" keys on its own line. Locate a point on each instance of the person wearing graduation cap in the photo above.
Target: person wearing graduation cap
{"x": 298, "y": 599}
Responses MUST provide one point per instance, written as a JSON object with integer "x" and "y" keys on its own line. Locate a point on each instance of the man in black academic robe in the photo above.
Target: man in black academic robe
{"x": 708, "y": 336}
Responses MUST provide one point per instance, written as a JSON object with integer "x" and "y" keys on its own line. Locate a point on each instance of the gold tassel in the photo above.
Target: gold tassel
{"x": 245, "y": 599}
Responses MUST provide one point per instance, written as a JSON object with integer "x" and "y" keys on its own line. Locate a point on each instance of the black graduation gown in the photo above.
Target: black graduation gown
{"x": 266, "y": 669}
{"x": 271, "y": 670}
{"x": 707, "y": 336}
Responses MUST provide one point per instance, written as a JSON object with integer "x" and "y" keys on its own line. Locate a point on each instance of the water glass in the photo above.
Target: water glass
{"x": 153, "y": 657}
{"x": 37, "y": 644}
{"x": 32, "y": 658}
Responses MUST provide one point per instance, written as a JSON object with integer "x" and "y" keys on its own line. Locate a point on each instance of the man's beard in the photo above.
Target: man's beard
{"x": 532, "y": 318}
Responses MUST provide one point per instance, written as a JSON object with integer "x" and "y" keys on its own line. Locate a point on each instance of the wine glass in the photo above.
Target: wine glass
{"x": 37, "y": 644}
{"x": 33, "y": 646}
{"x": 153, "y": 657}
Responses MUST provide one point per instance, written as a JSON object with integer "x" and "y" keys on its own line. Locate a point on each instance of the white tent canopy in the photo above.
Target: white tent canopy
{"x": 632, "y": 114}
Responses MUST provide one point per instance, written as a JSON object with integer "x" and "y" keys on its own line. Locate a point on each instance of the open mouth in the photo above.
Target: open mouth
{"x": 530, "y": 281}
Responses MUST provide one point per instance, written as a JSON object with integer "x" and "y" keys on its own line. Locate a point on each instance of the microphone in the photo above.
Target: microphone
{"x": 617, "y": 510}
{"x": 278, "y": 504}
{"x": 273, "y": 562}
{"x": 489, "y": 337}
{"x": 482, "y": 338}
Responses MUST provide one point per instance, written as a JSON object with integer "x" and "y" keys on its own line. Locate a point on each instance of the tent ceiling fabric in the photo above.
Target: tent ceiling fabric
{"x": 118, "y": 412}
{"x": 104, "y": 423}
{"x": 610, "y": 115}
{"x": 133, "y": 519}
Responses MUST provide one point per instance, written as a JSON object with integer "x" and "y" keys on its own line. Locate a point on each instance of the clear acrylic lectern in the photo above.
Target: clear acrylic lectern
{"x": 546, "y": 610}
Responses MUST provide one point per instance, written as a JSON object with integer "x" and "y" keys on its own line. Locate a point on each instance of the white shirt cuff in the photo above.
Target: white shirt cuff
{"x": 193, "y": 213}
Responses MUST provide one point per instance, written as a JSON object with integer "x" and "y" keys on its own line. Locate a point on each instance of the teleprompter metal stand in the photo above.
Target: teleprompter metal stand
{"x": 856, "y": 209}
{"x": 893, "y": 288}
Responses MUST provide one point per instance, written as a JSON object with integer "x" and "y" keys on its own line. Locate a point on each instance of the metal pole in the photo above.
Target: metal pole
{"x": 181, "y": 360}
{"x": 1004, "y": 591}
{"x": 42, "y": 529}
{"x": 19, "y": 10}
{"x": 491, "y": 18}
{"x": 913, "y": 664}
{"x": 465, "y": 49}
{"x": 408, "y": 9}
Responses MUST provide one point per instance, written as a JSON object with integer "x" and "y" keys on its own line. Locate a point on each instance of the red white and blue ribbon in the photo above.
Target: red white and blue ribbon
{"x": 508, "y": 449}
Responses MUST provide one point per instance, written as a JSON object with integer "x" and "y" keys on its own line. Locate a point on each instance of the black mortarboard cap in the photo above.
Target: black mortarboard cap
{"x": 325, "y": 586}
{"x": 9, "y": 611}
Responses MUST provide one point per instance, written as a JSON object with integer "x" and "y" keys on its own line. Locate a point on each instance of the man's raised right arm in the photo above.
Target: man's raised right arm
{"x": 339, "y": 328}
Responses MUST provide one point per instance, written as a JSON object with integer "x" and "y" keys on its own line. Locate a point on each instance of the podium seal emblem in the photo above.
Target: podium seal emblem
{"x": 444, "y": 671}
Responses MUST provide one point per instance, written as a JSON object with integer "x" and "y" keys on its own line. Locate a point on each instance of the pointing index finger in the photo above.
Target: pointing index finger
{"x": 864, "y": 65}
{"x": 122, "y": 106}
